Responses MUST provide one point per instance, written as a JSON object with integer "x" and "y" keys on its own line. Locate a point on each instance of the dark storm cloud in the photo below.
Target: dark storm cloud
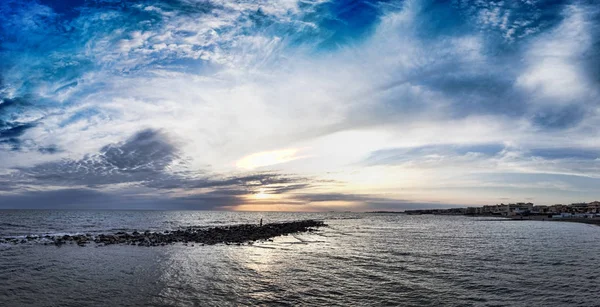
{"x": 92, "y": 198}
{"x": 232, "y": 194}
{"x": 288, "y": 188}
{"x": 143, "y": 160}
{"x": 187, "y": 181}
{"x": 147, "y": 150}
{"x": 140, "y": 158}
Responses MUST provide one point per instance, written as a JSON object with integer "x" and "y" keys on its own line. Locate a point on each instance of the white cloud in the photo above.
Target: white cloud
{"x": 252, "y": 95}
{"x": 554, "y": 73}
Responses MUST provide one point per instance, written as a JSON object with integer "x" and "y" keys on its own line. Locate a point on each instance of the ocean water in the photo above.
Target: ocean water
{"x": 359, "y": 259}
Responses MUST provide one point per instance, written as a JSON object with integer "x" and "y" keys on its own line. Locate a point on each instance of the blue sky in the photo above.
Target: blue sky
{"x": 298, "y": 105}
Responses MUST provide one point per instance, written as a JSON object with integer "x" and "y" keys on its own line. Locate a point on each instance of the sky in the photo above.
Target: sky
{"x": 298, "y": 105}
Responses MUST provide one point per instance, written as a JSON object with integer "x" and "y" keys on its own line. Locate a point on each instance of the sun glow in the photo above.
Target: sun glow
{"x": 267, "y": 158}
{"x": 262, "y": 194}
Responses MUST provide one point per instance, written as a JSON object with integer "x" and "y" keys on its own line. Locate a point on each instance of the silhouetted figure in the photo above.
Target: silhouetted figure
{"x": 261, "y": 222}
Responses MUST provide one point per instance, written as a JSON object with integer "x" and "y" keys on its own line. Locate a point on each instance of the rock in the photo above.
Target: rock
{"x": 229, "y": 235}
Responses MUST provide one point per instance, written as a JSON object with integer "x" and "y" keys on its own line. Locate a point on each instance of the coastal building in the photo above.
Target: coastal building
{"x": 520, "y": 208}
{"x": 540, "y": 209}
{"x": 583, "y": 210}
{"x": 475, "y": 210}
{"x": 594, "y": 207}
{"x": 578, "y": 208}
{"x": 500, "y": 209}
{"x": 558, "y": 209}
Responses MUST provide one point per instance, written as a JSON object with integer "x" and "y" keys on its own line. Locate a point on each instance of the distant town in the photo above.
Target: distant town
{"x": 559, "y": 211}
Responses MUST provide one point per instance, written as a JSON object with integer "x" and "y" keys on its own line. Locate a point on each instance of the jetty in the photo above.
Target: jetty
{"x": 234, "y": 234}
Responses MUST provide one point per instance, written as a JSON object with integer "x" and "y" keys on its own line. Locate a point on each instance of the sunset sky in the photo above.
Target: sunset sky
{"x": 298, "y": 105}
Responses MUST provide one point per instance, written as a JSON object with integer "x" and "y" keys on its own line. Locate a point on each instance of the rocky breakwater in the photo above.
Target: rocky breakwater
{"x": 235, "y": 234}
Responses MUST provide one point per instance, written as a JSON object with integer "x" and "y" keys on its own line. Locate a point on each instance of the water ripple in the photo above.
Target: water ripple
{"x": 360, "y": 260}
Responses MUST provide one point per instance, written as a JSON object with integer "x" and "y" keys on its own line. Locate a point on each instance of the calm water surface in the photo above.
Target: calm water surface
{"x": 358, "y": 260}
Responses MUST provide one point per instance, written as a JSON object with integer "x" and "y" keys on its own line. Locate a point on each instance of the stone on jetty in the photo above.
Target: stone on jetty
{"x": 235, "y": 234}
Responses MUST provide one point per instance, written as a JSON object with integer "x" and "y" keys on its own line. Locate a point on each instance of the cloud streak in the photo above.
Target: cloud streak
{"x": 164, "y": 97}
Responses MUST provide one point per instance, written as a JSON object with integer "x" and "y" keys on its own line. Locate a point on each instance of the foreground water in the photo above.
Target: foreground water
{"x": 359, "y": 259}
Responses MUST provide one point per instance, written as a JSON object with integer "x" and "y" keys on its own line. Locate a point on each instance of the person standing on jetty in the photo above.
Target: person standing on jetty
{"x": 260, "y": 222}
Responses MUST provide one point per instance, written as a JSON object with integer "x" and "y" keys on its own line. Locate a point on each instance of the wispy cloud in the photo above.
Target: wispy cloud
{"x": 203, "y": 99}
{"x": 268, "y": 158}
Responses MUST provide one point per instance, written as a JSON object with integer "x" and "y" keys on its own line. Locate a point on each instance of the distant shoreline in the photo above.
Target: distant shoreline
{"x": 592, "y": 221}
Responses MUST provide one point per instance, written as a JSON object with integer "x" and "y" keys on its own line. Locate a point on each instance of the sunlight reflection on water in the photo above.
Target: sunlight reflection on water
{"x": 375, "y": 259}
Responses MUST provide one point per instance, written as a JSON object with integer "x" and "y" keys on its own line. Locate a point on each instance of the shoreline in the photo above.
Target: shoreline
{"x": 544, "y": 218}
{"x": 541, "y": 218}
{"x": 592, "y": 221}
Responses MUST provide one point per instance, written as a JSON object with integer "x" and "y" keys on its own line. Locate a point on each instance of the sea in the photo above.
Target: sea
{"x": 359, "y": 259}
